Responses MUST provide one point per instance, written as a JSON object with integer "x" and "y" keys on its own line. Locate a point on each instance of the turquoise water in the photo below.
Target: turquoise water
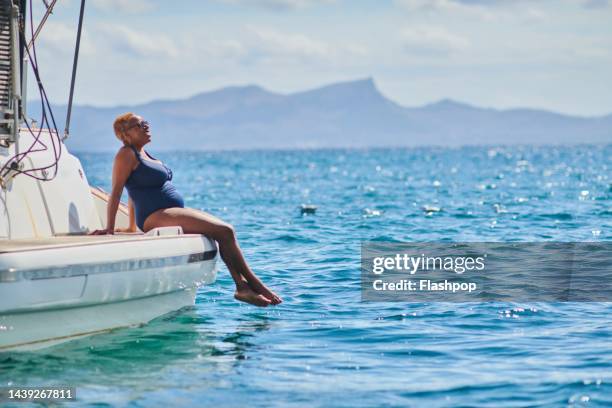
{"x": 323, "y": 347}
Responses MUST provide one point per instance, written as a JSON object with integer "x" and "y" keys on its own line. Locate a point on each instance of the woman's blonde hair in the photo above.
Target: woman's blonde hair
{"x": 120, "y": 125}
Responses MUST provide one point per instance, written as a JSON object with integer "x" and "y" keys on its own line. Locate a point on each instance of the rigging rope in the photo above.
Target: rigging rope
{"x": 74, "y": 68}
{"x": 42, "y": 21}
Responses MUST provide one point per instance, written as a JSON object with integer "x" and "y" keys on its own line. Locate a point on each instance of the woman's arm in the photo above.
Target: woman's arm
{"x": 122, "y": 167}
{"x": 132, "y": 227}
{"x": 132, "y": 223}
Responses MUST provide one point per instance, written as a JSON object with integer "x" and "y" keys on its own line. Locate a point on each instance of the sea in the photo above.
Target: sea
{"x": 324, "y": 346}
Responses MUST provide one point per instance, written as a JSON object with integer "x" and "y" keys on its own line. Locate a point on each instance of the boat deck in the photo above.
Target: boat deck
{"x": 17, "y": 245}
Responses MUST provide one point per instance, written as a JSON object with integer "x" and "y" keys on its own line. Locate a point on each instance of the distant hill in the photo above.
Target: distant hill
{"x": 347, "y": 114}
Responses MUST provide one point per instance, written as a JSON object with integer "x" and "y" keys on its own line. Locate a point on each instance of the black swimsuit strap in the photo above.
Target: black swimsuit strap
{"x": 136, "y": 151}
{"x": 149, "y": 155}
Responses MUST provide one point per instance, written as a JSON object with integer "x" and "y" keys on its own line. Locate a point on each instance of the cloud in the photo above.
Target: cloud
{"x": 457, "y": 4}
{"x": 497, "y": 3}
{"x": 478, "y": 9}
{"x": 60, "y": 38}
{"x": 57, "y": 36}
{"x": 266, "y": 44}
{"x": 439, "y": 5}
{"x": 271, "y": 42}
{"x": 253, "y": 45}
{"x": 125, "y": 6}
{"x": 487, "y": 10}
{"x": 432, "y": 41}
{"x": 495, "y": 9}
{"x": 156, "y": 51}
{"x": 136, "y": 43}
{"x": 278, "y": 4}
{"x": 212, "y": 51}
{"x": 595, "y": 4}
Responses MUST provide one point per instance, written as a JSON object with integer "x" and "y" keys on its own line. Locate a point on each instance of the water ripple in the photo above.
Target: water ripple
{"x": 323, "y": 346}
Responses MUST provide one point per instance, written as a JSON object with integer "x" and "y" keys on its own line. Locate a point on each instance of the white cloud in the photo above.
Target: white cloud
{"x": 278, "y": 4}
{"x": 57, "y": 36}
{"x": 562, "y": 49}
{"x": 486, "y": 10}
{"x": 428, "y": 4}
{"x": 595, "y": 4}
{"x": 212, "y": 52}
{"x": 432, "y": 41}
{"x": 493, "y": 10}
{"x": 60, "y": 38}
{"x": 445, "y": 6}
{"x": 136, "y": 43}
{"x": 125, "y": 6}
{"x": 271, "y": 42}
{"x": 268, "y": 45}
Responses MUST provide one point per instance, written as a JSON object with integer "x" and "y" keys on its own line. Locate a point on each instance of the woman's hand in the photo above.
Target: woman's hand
{"x": 104, "y": 231}
{"x": 128, "y": 230}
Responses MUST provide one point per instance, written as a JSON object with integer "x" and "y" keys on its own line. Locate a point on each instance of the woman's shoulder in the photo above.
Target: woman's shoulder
{"x": 126, "y": 154}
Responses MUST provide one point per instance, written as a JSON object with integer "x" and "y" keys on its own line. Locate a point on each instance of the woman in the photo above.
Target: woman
{"x": 154, "y": 202}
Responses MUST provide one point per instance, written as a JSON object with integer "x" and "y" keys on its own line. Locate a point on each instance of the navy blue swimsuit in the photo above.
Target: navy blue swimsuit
{"x": 150, "y": 189}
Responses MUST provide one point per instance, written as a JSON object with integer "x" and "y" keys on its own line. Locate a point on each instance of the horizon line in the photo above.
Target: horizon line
{"x": 316, "y": 148}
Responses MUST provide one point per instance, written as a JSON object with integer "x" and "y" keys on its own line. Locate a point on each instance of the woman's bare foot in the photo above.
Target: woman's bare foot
{"x": 262, "y": 289}
{"x": 247, "y": 295}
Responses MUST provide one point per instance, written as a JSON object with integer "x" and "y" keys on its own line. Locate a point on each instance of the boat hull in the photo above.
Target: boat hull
{"x": 55, "y": 293}
{"x": 36, "y": 330}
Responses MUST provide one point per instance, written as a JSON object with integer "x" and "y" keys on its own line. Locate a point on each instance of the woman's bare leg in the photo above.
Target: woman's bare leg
{"x": 249, "y": 287}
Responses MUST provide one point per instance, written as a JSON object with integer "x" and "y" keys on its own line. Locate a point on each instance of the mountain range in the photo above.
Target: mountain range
{"x": 346, "y": 114}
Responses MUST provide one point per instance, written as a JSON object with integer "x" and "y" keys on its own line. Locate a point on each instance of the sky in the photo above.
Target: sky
{"x": 548, "y": 54}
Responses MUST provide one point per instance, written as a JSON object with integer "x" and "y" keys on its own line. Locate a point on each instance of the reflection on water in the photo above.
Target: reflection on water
{"x": 129, "y": 355}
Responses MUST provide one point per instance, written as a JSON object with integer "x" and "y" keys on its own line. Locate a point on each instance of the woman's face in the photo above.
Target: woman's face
{"x": 138, "y": 131}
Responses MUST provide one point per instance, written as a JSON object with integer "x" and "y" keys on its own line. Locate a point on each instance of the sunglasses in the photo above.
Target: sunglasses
{"x": 141, "y": 124}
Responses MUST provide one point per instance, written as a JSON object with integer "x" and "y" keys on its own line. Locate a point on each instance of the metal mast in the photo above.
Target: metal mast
{"x": 11, "y": 21}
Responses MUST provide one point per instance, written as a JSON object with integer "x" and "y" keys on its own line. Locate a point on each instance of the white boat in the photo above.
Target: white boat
{"x": 58, "y": 283}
